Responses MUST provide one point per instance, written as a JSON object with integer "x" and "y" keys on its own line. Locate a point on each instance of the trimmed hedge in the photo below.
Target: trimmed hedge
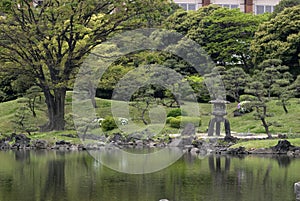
{"x": 176, "y": 112}
{"x": 169, "y": 119}
{"x": 182, "y": 121}
{"x": 108, "y": 124}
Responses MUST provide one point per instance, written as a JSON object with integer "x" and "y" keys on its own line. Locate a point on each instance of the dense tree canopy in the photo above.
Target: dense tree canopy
{"x": 279, "y": 39}
{"x": 224, "y": 33}
{"x": 44, "y": 46}
{"x": 235, "y": 80}
{"x": 49, "y": 42}
{"x": 283, "y": 4}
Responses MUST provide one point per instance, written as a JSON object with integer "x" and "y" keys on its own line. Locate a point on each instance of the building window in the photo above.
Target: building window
{"x": 191, "y": 6}
{"x": 188, "y": 6}
{"x": 231, "y": 6}
{"x": 260, "y": 9}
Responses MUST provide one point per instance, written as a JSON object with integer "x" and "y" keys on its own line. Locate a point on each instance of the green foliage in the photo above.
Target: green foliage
{"x": 235, "y": 80}
{"x": 257, "y": 144}
{"x": 274, "y": 76}
{"x": 271, "y": 79}
{"x": 69, "y": 122}
{"x": 176, "y": 21}
{"x": 224, "y": 33}
{"x": 7, "y": 87}
{"x": 32, "y": 94}
{"x": 182, "y": 121}
{"x": 169, "y": 119}
{"x": 61, "y": 35}
{"x": 289, "y": 122}
{"x": 5, "y": 6}
{"x": 198, "y": 84}
{"x": 247, "y": 97}
{"x": 245, "y": 107}
{"x": 22, "y": 120}
{"x": 278, "y": 38}
{"x": 186, "y": 22}
{"x": 283, "y": 4}
{"x": 175, "y": 122}
{"x": 176, "y": 112}
{"x": 276, "y": 80}
{"x": 111, "y": 77}
{"x": 214, "y": 83}
{"x": 295, "y": 86}
{"x": 257, "y": 89}
{"x": 108, "y": 124}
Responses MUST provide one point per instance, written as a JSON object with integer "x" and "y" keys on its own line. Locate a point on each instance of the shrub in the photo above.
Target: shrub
{"x": 69, "y": 122}
{"x": 247, "y": 97}
{"x": 194, "y": 120}
{"x": 176, "y": 112}
{"x": 175, "y": 122}
{"x": 169, "y": 119}
{"x": 182, "y": 121}
{"x": 108, "y": 124}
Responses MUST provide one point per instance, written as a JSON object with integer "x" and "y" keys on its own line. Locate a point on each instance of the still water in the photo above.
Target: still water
{"x": 76, "y": 176}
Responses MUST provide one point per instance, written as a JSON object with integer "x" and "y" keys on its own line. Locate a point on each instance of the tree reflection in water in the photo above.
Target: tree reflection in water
{"x": 66, "y": 176}
{"x": 55, "y": 185}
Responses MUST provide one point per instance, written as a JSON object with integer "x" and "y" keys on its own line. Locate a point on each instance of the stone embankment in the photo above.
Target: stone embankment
{"x": 189, "y": 143}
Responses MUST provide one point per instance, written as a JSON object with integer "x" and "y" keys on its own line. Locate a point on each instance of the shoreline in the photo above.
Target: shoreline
{"x": 210, "y": 145}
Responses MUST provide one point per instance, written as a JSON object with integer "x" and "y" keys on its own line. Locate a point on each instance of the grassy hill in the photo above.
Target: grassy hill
{"x": 286, "y": 123}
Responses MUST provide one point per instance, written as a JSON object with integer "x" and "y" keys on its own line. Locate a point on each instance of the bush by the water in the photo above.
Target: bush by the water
{"x": 182, "y": 121}
{"x": 108, "y": 124}
{"x": 176, "y": 112}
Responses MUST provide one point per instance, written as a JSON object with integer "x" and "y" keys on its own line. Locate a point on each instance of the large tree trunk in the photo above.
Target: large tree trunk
{"x": 56, "y": 109}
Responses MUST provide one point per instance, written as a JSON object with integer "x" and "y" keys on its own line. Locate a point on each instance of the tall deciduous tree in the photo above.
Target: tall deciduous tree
{"x": 226, "y": 36}
{"x": 279, "y": 38}
{"x": 49, "y": 42}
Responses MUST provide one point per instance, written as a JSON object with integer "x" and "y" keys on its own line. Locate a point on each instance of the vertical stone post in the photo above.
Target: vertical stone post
{"x": 297, "y": 190}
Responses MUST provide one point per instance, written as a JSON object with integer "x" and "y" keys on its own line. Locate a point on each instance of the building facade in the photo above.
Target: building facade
{"x": 247, "y": 6}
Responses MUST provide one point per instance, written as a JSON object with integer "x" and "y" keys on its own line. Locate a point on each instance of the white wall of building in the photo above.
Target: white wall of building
{"x": 230, "y": 3}
{"x": 264, "y": 5}
{"x": 189, "y": 3}
{"x": 258, "y": 5}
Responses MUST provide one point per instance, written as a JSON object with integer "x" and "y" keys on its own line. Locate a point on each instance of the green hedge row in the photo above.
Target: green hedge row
{"x": 176, "y": 112}
{"x": 182, "y": 121}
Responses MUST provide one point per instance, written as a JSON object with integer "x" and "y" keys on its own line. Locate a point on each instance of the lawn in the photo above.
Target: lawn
{"x": 256, "y": 144}
{"x": 285, "y": 123}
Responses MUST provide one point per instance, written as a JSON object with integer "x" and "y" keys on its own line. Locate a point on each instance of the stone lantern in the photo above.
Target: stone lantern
{"x": 219, "y": 111}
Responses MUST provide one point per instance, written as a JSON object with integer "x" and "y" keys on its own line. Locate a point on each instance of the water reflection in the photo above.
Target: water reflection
{"x": 283, "y": 161}
{"x": 55, "y": 185}
{"x": 22, "y": 155}
{"x": 50, "y": 175}
{"x": 214, "y": 163}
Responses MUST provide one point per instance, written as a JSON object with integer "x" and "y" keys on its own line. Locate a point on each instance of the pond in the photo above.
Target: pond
{"x": 76, "y": 176}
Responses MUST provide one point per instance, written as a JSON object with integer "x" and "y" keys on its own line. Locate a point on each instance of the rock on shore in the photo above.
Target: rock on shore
{"x": 188, "y": 143}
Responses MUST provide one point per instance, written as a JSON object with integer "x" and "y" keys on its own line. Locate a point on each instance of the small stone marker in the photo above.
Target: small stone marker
{"x": 297, "y": 190}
